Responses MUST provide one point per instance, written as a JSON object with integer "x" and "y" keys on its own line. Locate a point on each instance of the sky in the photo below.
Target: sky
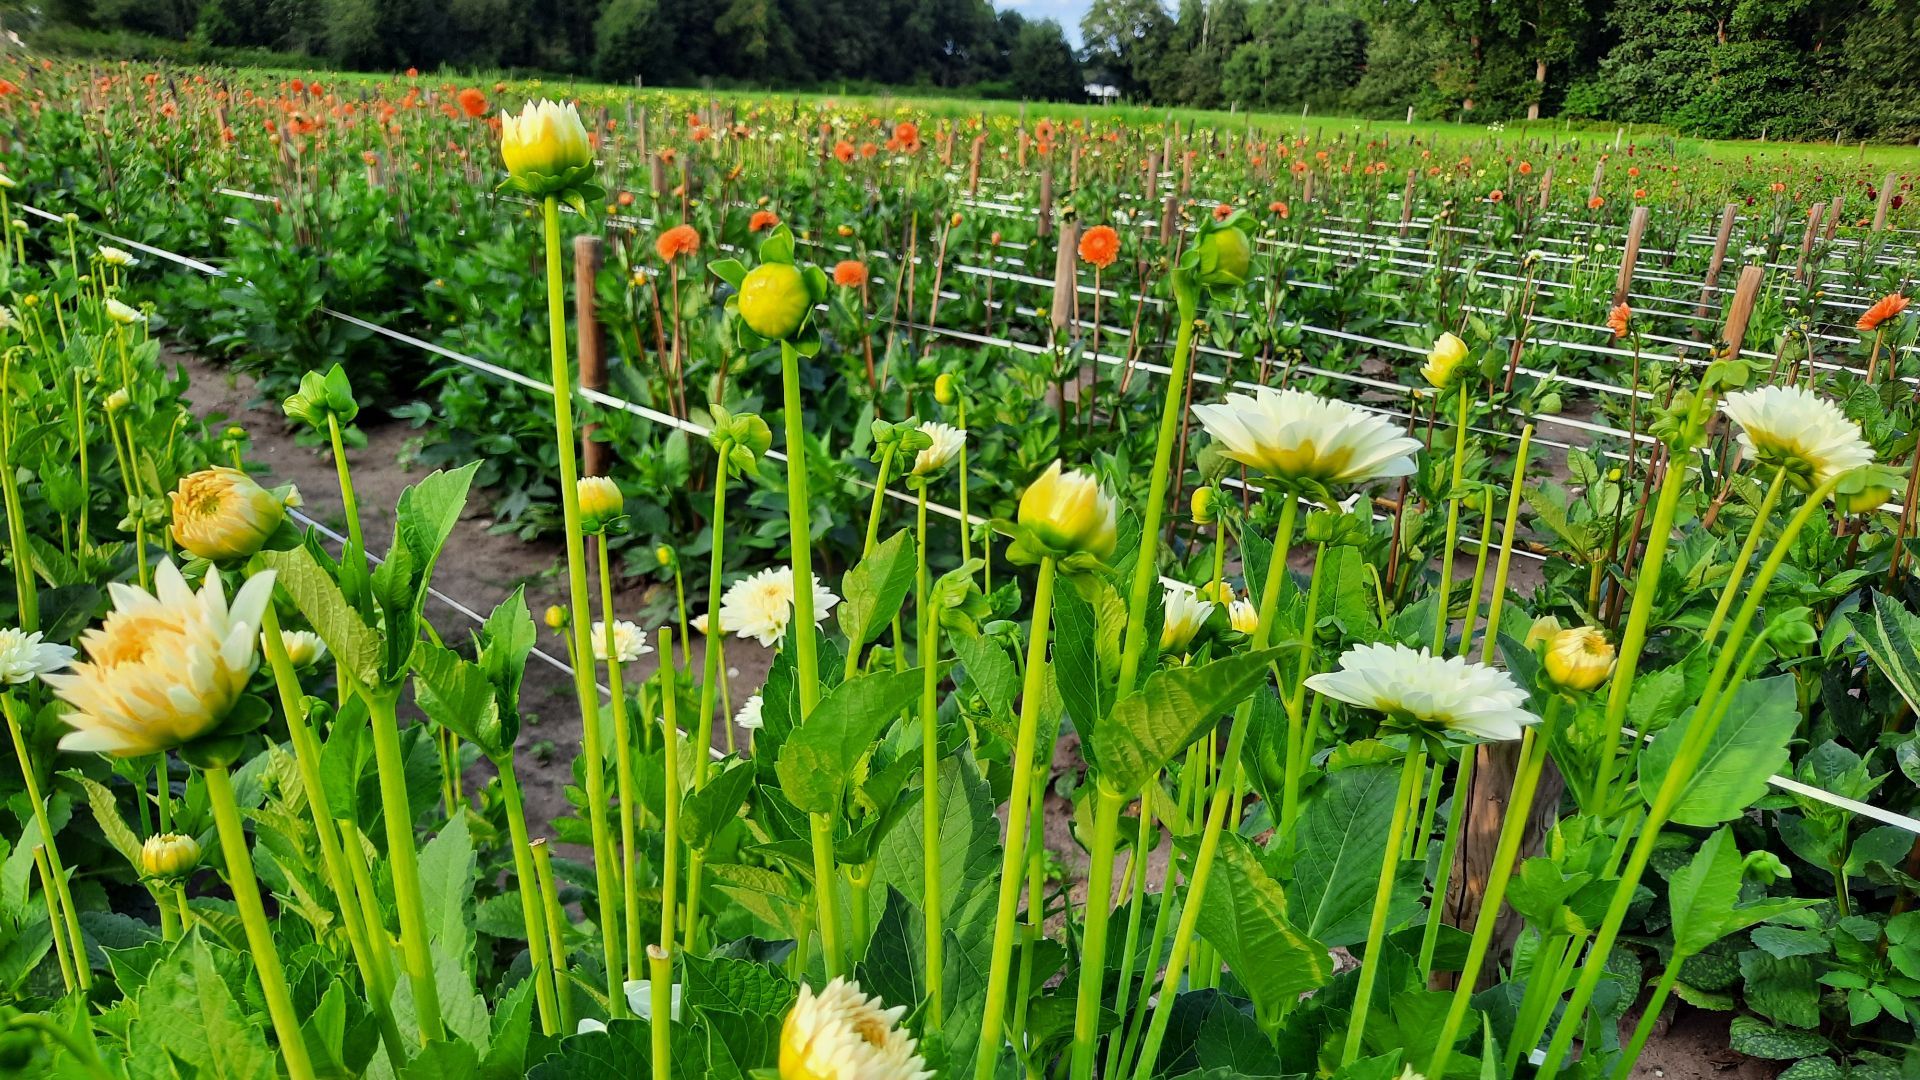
{"x": 1065, "y": 12}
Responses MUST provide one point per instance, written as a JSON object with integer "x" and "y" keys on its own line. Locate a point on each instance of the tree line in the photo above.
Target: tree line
{"x": 1790, "y": 69}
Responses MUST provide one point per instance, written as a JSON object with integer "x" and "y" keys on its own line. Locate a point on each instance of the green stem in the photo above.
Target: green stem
{"x": 1467, "y": 625}
{"x": 604, "y": 867}
{"x": 1740, "y": 561}
{"x": 528, "y": 882}
{"x": 1440, "y": 613}
{"x": 62, "y": 893}
{"x": 1505, "y": 562}
{"x": 1093, "y": 941}
{"x": 799, "y": 510}
{"x": 1699, "y": 733}
{"x": 1543, "y": 986}
{"x": 246, "y": 897}
{"x": 1649, "y": 1017}
{"x": 930, "y": 776}
{"x": 61, "y": 942}
{"x": 1513, "y": 829}
{"x": 1136, "y": 914}
{"x": 624, "y": 786}
{"x": 879, "y": 499}
{"x": 1299, "y": 734}
{"x": 549, "y": 890}
{"x": 397, "y": 814}
{"x": 826, "y": 892}
{"x": 670, "y": 840}
{"x": 660, "y": 971}
{"x": 1443, "y": 873}
{"x": 1183, "y": 936}
{"x": 1012, "y": 865}
{"x": 710, "y": 655}
{"x": 1408, "y": 792}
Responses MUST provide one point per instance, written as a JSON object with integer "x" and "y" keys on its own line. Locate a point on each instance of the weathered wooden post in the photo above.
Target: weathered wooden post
{"x": 593, "y": 361}
{"x": 1740, "y": 311}
{"x": 1630, "y": 256}
{"x": 1546, "y": 189}
{"x": 1044, "y": 226}
{"x": 1814, "y": 213}
{"x": 1884, "y": 204}
{"x": 1719, "y": 258}
{"x": 1406, "y": 203}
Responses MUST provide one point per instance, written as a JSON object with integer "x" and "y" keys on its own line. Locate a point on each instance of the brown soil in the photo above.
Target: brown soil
{"x": 478, "y": 569}
{"x": 481, "y": 568}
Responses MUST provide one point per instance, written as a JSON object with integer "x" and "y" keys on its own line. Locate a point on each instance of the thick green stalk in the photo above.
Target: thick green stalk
{"x": 1099, "y": 909}
{"x": 61, "y": 942}
{"x": 1740, "y": 561}
{"x": 1443, "y": 873}
{"x": 1513, "y": 828}
{"x": 1183, "y": 936}
{"x": 1299, "y": 734}
{"x": 670, "y": 841}
{"x": 966, "y": 519}
{"x": 799, "y": 510}
{"x": 1135, "y": 917}
{"x": 1634, "y": 637}
{"x": 1406, "y": 796}
{"x": 526, "y": 879}
{"x": 1542, "y": 987}
{"x": 1440, "y": 613}
{"x": 930, "y": 776}
{"x": 604, "y": 867}
{"x": 624, "y": 786}
{"x": 1505, "y": 562}
{"x": 1649, "y": 1017}
{"x": 549, "y": 890}
{"x": 879, "y": 499}
{"x": 710, "y": 655}
{"x": 397, "y": 814}
{"x": 1700, "y": 731}
{"x": 1013, "y": 861}
{"x": 67, "y": 915}
{"x": 1468, "y": 625}
{"x": 660, "y": 972}
{"x": 353, "y": 848}
{"x": 246, "y": 897}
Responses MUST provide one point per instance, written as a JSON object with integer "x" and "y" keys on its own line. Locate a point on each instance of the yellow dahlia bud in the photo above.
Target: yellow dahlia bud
{"x": 118, "y": 401}
{"x": 1579, "y": 658}
{"x": 1186, "y": 613}
{"x": 1243, "y": 616}
{"x": 664, "y": 555}
{"x": 123, "y": 314}
{"x": 1443, "y": 362}
{"x": 543, "y": 144}
{"x": 601, "y": 503}
{"x": 1068, "y": 513}
{"x": 1203, "y": 506}
{"x": 304, "y": 647}
{"x": 1220, "y": 592}
{"x": 774, "y": 300}
{"x": 169, "y": 855}
{"x": 220, "y": 513}
{"x": 944, "y": 388}
{"x": 556, "y": 617}
{"x": 842, "y": 1034}
{"x": 1865, "y": 490}
{"x": 1542, "y": 631}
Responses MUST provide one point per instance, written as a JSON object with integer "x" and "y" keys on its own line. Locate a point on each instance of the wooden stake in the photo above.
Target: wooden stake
{"x": 1636, "y": 226}
{"x": 1719, "y": 258}
{"x": 1546, "y": 188}
{"x": 1740, "y": 311}
{"x": 1044, "y": 226}
{"x": 1814, "y": 213}
{"x": 1406, "y": 203}
{"x": 1886, "y": 203}
{"x": 593, "y": 361}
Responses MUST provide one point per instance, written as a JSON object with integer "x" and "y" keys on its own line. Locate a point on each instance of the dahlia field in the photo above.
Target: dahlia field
{"x": 1238, "y": 596}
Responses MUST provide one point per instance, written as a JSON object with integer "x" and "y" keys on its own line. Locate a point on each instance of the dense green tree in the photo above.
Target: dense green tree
{"x": 1298, "y": 52}
{"x": 1043, "y": 64}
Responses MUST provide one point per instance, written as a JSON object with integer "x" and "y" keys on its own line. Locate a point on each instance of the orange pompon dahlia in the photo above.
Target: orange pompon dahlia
{"x": 1618, "y": 318}
{"x": 1883, "y": 309}
{"x": 473, "y": 103}
{"x": 1596, "y": 203}
{"x": 843, "y": 151}
{"x": 676, "y": 242}
{"x": 1099, "y": 246}
{"x": 761, "y": 220}
{"x": 850, "y": 273}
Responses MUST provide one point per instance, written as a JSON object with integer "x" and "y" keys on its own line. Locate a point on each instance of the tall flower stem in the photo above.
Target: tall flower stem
{"x": 660, "y": 971}
{"x": 930, "y": 775}
{"x": 67, "y": 917}
{"x": 1634, "y": 637}
{"x": 1501, "y": 566}
{"x": 1013, "y": 860}
{"x": 1443, "y": 872}
{"x": 379, "y": 943}
{"x": 604, "y": 864}
{"x": 1135, "y": 917}
{"x": 1745, "y": 556}
{"x": 1513, "y": 828}
{"x": 532, "y": 914}
{"x": 1407, "y": 795}
{"x": 1110, "y": 803}
{"x": 1299, "y": 732}
{"x": 246, "y": 897}
{"x": 61, "y": 947}
{"x": 1440, "y": 613}
{"x": 549, "y": 891}
{"x": 711, "y": 674}
{"x": 879, "y": 499}
{"x": 670, "y": 840}
{"x": 397, "y": 814}
{"x": 806, "y": 663}
{"x": 306, "y": 756}
{"x": 624, "y": 786}
{"x": 1183, "y": 936}
{"x": 1693, "y": 746}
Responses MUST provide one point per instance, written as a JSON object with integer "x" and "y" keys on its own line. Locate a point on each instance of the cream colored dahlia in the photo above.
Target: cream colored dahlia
{"x": 947, "y": 441}
{"x": 629, "y": 641}
{"x": 761, "y": 606}
{"x": 220, "y": 513}
{"x": 304, "y": 647}
{"x": 1186, "y": 613}
{"x": 1294, "y": 435}
{"x": 24, "y": 655}
{"x": 749, "y": 717}
{"x": 1417, "y": 690}
{"x": 163, "y": 668}
{"x": 1797, "y": 428}
{"x": 1069, "y": 513}
{"x": 1243, "y": 616}
{"x": 842, "y": 1034}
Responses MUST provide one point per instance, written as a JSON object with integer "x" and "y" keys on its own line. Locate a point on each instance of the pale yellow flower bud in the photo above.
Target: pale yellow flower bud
{"x": 1068, "y": 513}
{"x": 600, "y": 503}
{"x": 556, "y": 617}
{"x": 169, "y": 855}
{"x": 1579, "y": 658}
{"x": 1542, "y": 631}
{"x": 220, "y": 513}
{"x": 1443, "y": 362}
{"x": 543, "y": 143}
